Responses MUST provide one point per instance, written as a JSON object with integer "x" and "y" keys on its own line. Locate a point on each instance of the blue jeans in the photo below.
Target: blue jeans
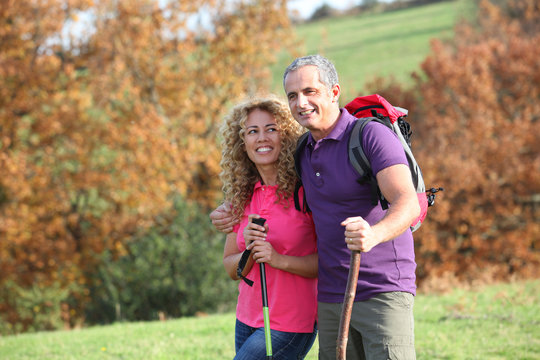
{"x": 250, "y": 343}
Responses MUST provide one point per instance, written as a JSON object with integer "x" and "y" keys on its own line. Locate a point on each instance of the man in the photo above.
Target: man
{"x": 382, "y": 325}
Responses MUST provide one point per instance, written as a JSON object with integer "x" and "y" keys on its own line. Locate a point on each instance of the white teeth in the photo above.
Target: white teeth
{"x": 266, "y": 148}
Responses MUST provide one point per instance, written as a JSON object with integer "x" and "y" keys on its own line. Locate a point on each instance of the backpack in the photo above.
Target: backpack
{"x": 376, "y": 108}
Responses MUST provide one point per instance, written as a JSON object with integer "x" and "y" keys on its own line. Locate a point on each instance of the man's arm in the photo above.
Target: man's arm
{"x": 396, "y": 186}
{"x": 222, "y": 218}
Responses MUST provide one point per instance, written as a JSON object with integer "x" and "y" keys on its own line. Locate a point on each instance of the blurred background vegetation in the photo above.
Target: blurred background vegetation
{"x": 109, "y": 144}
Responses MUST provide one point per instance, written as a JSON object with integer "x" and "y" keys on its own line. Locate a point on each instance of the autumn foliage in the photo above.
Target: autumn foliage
{"x": 475, "y": 113}
{"x": 102, "y": 125}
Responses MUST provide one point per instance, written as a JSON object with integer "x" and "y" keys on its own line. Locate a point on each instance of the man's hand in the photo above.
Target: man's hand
{"x": 396, "y": 186}
{"x": 359, "y": 235}
{"x": 222, "y": 218}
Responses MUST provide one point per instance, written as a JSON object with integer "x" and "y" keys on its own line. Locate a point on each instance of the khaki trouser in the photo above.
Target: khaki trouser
{"x": 381, "y": 328}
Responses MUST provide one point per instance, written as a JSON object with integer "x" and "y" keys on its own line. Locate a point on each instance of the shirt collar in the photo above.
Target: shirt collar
{"x": 260, "y": 185}
{"x": 339, "y": 130}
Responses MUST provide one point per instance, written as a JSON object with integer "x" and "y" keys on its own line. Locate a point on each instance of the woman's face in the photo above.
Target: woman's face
{"x": 262, "y": 139}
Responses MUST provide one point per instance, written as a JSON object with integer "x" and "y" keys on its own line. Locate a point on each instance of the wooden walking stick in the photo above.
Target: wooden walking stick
{"x": 350, "y": 292}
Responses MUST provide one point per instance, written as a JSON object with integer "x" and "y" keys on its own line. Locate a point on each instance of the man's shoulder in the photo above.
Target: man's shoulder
{"x": 376, "y": 129}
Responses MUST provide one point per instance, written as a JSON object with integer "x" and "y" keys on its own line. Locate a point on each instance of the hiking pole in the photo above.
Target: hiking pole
{"x": 350, "y": 292}
{"x": 267, "y": 335}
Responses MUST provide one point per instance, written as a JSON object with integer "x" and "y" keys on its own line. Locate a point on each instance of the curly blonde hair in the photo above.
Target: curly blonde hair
{"x": 239, "y": 173}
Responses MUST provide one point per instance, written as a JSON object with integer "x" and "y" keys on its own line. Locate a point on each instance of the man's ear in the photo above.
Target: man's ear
{"x": 336, "y": 91}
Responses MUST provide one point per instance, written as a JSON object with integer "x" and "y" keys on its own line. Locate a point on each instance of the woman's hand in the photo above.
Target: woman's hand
{"x": 263, "y": 252}
{"x": 253, "y": 232}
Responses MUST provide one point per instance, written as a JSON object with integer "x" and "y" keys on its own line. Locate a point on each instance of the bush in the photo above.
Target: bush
{"x": 37, "y": 307}
{"x": 324, "y": 11}
{"x": 175, "y": 269}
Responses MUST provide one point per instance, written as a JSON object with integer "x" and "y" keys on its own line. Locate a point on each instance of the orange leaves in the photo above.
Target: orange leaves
{"x": 476, "y": 135}
{"x": 97, "y": 135}
{"x": 479, "y": 123}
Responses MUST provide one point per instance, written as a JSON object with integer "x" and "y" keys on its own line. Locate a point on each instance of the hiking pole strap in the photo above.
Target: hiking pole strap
{"x": 241, "y": 265}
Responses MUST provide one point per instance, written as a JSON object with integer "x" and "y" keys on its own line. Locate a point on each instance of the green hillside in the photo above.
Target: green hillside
{"x": 382, "y": 44}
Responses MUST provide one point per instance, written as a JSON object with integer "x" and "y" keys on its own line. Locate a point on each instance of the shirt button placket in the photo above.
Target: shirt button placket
{"x": 318, "y": 179}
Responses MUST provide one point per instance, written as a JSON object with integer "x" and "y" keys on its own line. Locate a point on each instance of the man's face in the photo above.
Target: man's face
{"x": 312, "y": 104}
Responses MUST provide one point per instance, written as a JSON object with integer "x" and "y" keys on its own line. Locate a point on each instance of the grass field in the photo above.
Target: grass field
{"x": 493, "y": 322}
{"x": 384, "y": 44}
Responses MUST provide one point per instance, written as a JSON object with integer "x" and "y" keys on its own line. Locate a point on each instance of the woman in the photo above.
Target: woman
{"x": 258, "y": 181}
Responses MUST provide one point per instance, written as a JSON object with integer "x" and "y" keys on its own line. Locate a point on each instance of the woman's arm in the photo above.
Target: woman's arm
{"x": 306, "y": 266}
{"x": 232, "y": 256}
{"x": 263, "y": 251}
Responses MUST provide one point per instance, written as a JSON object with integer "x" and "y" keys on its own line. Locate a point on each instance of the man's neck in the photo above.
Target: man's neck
{"x": 319, "y": 134}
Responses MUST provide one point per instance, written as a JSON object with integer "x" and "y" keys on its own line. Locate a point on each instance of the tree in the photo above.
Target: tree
{"x": 323, "y": 11}
{"x": 480, "y": 101}
{"x": 473, "y": 111}
{"x": 369, "y": 3}
{"x": 100, "y": 130}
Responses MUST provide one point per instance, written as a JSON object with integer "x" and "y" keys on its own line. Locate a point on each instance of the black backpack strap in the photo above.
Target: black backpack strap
{"x": 305, "y": 208}
{"x": 297, "y": 205}
{"x": 356, "y": 154}
{"x": 300, "y": 145}
{"x": 296, "y": 195}
{"x": 360, "y": 162}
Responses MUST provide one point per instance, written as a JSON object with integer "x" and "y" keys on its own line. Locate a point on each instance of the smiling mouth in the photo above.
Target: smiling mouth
{"x": 307, "y": 112}
{"x": 264, "y": 149}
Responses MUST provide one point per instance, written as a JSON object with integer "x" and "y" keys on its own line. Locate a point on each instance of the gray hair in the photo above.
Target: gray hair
{"x": 327, "y": 71}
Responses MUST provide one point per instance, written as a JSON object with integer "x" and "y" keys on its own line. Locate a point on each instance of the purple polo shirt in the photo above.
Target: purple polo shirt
{"x": 333, "y": 194}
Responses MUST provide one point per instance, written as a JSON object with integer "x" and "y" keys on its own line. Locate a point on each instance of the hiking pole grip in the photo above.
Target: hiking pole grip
{"x": 346, "y": 311}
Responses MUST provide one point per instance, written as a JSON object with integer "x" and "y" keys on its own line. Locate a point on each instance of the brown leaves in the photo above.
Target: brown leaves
{"x": 97, "y": 133}
{"x": 475, "y": 130}
{"x": 480, "y": 101}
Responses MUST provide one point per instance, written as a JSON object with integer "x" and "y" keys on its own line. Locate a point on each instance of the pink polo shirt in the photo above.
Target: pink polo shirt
{"x": 292, "y": 299}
